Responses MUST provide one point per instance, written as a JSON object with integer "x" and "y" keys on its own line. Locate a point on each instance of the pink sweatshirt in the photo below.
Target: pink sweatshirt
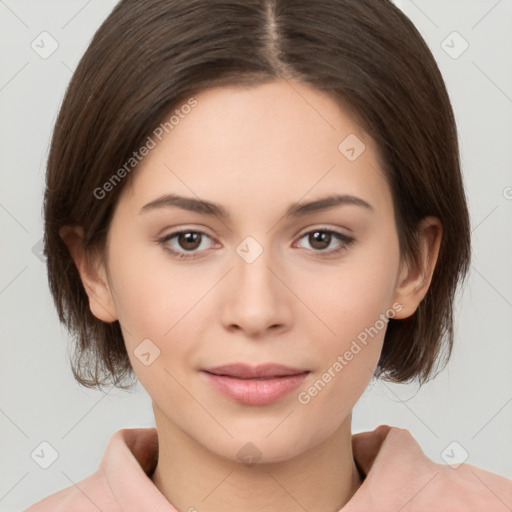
{"x": 398, "y": 477}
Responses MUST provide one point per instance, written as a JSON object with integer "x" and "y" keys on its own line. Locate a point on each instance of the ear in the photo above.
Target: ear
{"x": 414, "y": 281}
{"x": 92, "y": 272}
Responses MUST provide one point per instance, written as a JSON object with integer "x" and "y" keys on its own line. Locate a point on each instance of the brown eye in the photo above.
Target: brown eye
{"x": 323, "y": 241}
{"x": 319, "y": 239}
{"x": 186, "y": 244}
{"x": 189, "y": 240}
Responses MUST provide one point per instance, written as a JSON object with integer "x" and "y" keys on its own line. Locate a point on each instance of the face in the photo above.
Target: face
{"x": 305, "y": 287}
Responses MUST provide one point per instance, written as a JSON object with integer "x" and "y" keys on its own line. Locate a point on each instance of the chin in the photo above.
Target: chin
{"x": 255, "y": 446}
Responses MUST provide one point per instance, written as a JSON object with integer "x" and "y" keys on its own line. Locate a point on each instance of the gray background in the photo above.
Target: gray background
{"x": 470, "y": 403}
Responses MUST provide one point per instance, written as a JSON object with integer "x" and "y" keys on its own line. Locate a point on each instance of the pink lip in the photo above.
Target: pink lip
{"x": 255, "y": 385}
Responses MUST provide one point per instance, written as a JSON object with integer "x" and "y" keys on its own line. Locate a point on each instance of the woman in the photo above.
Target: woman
{"x": 253, "y": 208}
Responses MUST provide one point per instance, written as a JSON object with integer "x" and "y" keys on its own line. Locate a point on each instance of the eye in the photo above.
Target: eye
{"x": 189, "y": 244}
{"x": 321, "y": 239}
{"x": 186, "y": 244}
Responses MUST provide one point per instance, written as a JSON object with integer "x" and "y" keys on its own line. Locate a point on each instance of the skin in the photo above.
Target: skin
{"x": 255, "y": 151}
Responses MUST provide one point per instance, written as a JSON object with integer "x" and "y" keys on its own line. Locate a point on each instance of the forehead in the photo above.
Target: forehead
{"x": 272, "y": 141}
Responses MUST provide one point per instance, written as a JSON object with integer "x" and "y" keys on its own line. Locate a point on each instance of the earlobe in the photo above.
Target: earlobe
{"x": 92, "y": 273}
{"x": 414, "y": 280}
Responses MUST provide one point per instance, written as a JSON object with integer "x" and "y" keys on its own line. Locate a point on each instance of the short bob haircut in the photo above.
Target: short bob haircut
{"x": 149, "y": 57}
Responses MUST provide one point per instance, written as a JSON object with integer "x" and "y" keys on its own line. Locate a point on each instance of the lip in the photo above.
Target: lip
{"x": 246, "y": 371}
{"x": 255, "y": 385}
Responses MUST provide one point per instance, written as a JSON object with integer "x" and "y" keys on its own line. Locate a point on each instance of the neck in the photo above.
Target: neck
{"x": 193, "y": 478}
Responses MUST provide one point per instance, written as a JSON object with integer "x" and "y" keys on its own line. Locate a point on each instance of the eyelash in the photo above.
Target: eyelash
{"x": 347, "y": 241}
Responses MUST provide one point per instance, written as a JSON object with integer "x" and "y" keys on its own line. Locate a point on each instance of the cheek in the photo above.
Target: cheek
{"x": 156, "y": 304}
{"x": 349, "y": 358}
{"x": 148, "y": 286}
{"x": 352, "y": 296}
{"x": 355, "y": 302}
{"x": 155, "y": 298}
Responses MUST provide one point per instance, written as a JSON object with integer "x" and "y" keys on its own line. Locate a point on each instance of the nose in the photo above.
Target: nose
{"x": 256, "y": 299}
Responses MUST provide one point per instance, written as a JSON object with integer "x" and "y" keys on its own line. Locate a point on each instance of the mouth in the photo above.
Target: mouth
{"x": 255, "y": 385}
{"x": 261, "y": 372}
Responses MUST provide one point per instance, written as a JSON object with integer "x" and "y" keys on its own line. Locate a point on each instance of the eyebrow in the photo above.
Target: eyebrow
{"x": 208, "y": 208}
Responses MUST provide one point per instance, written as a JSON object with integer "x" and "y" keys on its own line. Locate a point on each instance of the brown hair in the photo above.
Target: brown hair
{"x": 147, "y": 57}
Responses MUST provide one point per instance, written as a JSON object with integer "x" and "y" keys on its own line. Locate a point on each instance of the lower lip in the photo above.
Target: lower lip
{"x": 256, "y": 391}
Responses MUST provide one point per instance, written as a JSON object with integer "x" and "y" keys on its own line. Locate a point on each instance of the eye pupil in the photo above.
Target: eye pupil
{"x": 320, "y": 237}
{"x": 189, "y": 240}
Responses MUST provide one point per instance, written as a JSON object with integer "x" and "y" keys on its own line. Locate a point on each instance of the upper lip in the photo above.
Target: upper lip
{"x": 246, "y": 371}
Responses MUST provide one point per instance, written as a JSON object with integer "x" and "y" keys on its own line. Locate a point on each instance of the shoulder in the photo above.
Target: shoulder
{"x": 399, "y": 476}
{"x": 88, "y": 495}
{"x": 120, "y": 478}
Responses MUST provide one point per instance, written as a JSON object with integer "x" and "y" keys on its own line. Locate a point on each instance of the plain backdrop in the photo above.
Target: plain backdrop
{"x": 466, "y": 410}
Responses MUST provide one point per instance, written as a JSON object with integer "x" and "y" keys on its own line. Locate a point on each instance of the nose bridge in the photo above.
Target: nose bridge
{"x": 252, "y": 267}
{"x": 257, "y": 298}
